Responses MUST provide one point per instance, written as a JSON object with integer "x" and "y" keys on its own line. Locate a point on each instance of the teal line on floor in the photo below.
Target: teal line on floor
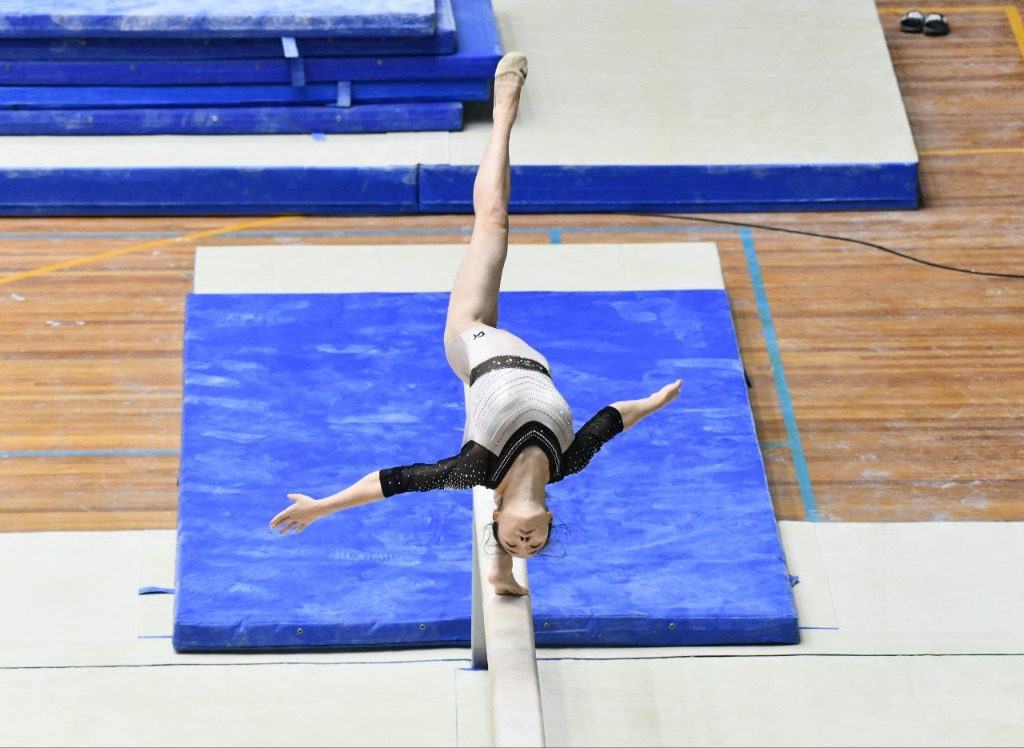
{"x": 785, "y": 401}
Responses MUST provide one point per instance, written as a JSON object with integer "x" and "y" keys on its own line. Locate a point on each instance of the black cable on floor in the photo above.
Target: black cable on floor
{"x": 897, "y": 253}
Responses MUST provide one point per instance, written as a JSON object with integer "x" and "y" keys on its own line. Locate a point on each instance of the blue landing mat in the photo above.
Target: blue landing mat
{"x": 118, "y": 97}
{"x": 440, "y": 42}
{"x": 261, "y": 120}
{"x": 338, "y": 94}
{"x": 35, "y": 18}
{"x": 478, "y": 51}
{"x": 670, "y": 533}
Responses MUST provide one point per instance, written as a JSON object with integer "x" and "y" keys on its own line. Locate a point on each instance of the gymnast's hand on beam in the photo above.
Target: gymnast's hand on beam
{"x": 300, "y": 515}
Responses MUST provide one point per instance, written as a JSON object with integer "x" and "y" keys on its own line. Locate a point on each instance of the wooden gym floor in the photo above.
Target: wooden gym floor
{"x": 884, "y": 389}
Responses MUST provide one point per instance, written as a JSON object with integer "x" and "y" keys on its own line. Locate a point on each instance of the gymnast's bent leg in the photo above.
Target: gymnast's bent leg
{"x": 474, "y": 296}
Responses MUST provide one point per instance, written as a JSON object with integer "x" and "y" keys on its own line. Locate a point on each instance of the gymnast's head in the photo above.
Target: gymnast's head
{"x": 522, "y": 522}
{"x": 522, "y": 528}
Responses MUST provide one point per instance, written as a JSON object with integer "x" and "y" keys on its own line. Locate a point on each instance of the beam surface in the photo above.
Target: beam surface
{"x": 510, "y": 653}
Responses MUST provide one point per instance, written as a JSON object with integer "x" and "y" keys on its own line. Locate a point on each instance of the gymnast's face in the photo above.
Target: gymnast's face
{"x": 522, "y": 532}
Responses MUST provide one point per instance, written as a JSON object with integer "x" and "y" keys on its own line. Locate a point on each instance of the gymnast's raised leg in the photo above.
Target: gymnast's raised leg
{"x": 474, "y": 296}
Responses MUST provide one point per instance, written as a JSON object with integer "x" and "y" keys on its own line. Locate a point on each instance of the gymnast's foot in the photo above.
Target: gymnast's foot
{"x": 508, "y": 586}
{"x": 501, "y": 578}
{"x": 509, "y": 77}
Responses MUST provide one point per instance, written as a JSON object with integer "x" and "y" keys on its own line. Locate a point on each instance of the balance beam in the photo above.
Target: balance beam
{"x": 502, "y": 642}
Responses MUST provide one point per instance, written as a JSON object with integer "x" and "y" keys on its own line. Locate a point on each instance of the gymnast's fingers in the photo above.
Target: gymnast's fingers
{"x": 284, "y": 514}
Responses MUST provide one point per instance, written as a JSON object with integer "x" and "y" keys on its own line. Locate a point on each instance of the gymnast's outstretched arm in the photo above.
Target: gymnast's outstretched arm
{"x": 305, "y": 509}
{"x": 464, "y": 470}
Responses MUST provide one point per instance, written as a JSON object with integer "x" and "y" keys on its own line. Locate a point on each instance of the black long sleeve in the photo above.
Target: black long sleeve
{"x": 464, "y": 470}
{"x": 593, "y": 435}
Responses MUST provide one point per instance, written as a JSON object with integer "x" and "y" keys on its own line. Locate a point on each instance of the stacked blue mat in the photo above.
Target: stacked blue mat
{"x": 124, "y": 67}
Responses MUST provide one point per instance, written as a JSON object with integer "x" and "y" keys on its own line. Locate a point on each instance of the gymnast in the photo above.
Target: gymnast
{"x": 519, "y": 430}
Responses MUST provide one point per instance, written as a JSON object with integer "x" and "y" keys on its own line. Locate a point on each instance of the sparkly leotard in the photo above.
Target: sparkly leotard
{"x": 511, "y": 404}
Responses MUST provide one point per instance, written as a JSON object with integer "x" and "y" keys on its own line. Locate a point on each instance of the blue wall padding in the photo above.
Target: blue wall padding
{"x": 441, "y": 41}
{"x": 207, "y": 191}
{"x": 257, "y": 120}
{"x": 671, "y": 539}
{"x": 62, "y": 18}
{"x": 478, "y": 50}
{"x": 446, "y": 188}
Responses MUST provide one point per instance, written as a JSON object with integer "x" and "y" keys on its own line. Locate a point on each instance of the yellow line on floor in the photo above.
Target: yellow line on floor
{"x": 140, "y": 247}
{"x": 1013, "y": 16}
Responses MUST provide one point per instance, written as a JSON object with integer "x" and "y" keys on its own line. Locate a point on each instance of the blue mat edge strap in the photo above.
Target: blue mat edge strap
{"x": 127, "y": 97}
{"x": 222, "y": 120}
{"x": 204, "y": 638}
{"x": 176, "y": 191}
{"x": 654, "y": 632}
{"x": 444, "y": 188}
{"x": 433, "y": 189}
